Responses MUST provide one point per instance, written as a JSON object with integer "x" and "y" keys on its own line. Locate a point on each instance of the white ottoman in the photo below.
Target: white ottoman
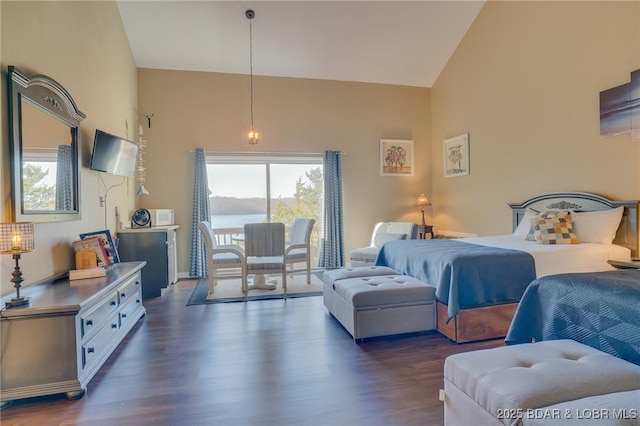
{"x": 373, "y": 301}
{"x": 527, "y": 383}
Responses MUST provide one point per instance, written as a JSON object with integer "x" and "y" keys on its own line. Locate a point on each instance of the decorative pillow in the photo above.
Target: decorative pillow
{"x": 383, "y": 237}
{"x": 525, "y": 223}
{"x": 548, "y": 214}
{"x": 556, "y": 230}
{"x": 597, "y": 227}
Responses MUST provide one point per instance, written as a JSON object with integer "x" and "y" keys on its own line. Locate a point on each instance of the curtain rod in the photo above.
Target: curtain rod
{"x": 263, "y": 153}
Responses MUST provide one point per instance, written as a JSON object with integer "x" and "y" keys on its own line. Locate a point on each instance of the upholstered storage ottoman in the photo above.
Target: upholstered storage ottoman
{"x": 372, "y": 301}
{"x": 549, "y": 382}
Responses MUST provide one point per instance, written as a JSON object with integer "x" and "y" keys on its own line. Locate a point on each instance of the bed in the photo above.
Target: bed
{"x": 599, "y": 309}
{"x": 479, "y": 280}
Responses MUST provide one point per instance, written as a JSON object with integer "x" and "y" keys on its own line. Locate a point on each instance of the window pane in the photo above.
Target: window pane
{"x": 296, "y": 191}
{"x": 240, "y": 189}
{"x": 238, "y": 194}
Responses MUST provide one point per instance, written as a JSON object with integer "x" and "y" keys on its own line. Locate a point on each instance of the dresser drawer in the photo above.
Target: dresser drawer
{"x": 127, "y": 311}
{"x": 130, "y": 289}
{"x": 94, "y": 347}
{"x": 95, "y": 316}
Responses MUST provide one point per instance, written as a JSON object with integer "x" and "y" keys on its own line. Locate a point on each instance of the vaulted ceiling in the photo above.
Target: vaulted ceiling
{"x": 390, "y": 42}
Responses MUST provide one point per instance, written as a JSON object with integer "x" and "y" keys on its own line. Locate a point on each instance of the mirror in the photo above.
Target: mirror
{"x": 45, "y": 160}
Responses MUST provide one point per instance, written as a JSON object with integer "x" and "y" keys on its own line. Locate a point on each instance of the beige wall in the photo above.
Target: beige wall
{"x": 82, "y": 45}
{"x": 525, "y": 79}
{"x": 525, "y": 83}
{"x": 194, "y": 109}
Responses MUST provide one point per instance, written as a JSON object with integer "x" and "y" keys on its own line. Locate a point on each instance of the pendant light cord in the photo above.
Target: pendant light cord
{"x": 251, "y": 63}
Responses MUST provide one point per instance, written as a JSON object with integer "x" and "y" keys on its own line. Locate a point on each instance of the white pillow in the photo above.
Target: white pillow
{"x": 525, "y": 224}
{"x": 597, "y": 227}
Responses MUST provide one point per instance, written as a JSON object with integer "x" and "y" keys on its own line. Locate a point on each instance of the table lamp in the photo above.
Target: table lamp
{"x": 15, "y": 239}
{"x": 423, "y": 202}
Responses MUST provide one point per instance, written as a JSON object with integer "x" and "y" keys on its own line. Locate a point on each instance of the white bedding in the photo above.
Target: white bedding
{"x": 561, "y": 258}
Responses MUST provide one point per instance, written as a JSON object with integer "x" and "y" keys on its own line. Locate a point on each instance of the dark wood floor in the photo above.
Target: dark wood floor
{"x": 269, "y": 362}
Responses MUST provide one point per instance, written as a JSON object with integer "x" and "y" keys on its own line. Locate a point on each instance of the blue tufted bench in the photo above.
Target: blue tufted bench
{"x": 371, "y": 301}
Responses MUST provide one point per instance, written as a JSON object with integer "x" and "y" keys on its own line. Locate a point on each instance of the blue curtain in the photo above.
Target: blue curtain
{"x": 200, "y": 212}
{"x": 332, "y": 244}
{"x": 64, "y": 179}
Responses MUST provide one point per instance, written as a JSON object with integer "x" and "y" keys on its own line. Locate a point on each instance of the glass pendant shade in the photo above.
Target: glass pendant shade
{"x": 142, "y": 191}
{"x": 251, "y": 135}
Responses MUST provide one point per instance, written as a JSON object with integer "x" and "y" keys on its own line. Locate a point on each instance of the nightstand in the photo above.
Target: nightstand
{"x": 423, "y": 230}
{"x": 624, "y": 263}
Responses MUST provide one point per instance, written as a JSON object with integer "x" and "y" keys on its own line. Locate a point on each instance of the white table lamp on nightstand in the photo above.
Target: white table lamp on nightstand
{"x": 423, "y": 202}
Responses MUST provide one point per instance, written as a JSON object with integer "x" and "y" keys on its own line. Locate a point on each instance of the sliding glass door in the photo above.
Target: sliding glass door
{"x": 263, "y": 189}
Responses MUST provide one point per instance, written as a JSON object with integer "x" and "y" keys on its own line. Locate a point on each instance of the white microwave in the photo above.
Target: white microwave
{"x": 162, "y": 217}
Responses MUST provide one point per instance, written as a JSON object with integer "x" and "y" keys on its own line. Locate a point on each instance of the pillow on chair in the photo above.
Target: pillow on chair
{"x": 382, "y": 238}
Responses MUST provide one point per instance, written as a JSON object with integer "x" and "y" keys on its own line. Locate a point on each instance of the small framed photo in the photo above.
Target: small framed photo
{"x": 396, "y": 157}
{"x": 456, "y": 156}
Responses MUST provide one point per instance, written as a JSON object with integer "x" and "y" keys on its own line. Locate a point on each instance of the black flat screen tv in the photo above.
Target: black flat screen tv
{"x": 113, "y": 154}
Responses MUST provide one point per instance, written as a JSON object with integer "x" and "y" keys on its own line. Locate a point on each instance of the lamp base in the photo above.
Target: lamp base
{"x": 17, "y": 301}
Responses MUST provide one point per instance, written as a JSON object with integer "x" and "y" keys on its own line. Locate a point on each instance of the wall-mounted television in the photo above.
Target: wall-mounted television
{"x": 113, "y": 154}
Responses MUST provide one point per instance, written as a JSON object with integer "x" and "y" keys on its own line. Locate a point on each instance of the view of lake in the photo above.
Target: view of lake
{"x": 236, "y": 220}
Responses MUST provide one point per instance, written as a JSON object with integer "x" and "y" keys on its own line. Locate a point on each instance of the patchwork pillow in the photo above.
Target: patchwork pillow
{"x": 556, "y": 230}
{"x": 383, "y": 237}
{"x": 548, "y": 214}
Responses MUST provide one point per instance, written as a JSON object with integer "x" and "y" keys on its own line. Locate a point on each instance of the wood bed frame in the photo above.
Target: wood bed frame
{"x": 492, "y": 322}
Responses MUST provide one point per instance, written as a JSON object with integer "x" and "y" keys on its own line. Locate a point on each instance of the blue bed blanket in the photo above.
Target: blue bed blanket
{"x": 598, "y": 309}
{"x": 465, "y": 275}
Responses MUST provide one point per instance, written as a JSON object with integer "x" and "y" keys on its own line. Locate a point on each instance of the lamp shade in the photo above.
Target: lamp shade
{"x": 423, "y": 201}
{"x": 16, "y": 237}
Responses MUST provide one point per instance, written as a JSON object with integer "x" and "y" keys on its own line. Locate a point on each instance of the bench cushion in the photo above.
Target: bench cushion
{"x": 536, "y": 375}
{"x": 383, "y": 290}
{"x": 329, "y": 277}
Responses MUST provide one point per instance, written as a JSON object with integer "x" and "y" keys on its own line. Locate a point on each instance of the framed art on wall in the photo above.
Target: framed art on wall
{"x": 456, "y": 156}
{"x": 396, "y": 157}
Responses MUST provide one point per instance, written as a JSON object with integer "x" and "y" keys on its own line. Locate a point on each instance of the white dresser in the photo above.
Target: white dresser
{"x": 60, "y": 340}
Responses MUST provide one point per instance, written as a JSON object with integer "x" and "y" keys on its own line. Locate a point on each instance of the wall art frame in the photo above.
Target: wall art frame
{"x": 456, "y": 156}
{"x": 396, "y": 157}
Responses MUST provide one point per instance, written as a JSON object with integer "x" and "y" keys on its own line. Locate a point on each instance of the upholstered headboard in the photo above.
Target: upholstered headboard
{"x": 627, "y": 235}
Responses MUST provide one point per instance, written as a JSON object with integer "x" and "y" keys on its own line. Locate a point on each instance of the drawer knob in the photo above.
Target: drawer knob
{"x": 114, "y": 325}
{"x": 113, "y": 303}
{"x": 124, "y": 315}
{"x": 89, "y": 322}
{"x": 123, "y": 295}
{"x": 91, "y": 350}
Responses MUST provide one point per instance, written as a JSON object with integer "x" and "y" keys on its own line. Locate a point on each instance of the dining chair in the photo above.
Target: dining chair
{"x": 228, "y": 256}
{"x": 264, "y": 250}
{"x": 298, "y": 247}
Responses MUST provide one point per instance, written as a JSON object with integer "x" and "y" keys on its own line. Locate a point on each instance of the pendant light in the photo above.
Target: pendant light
{"x": 251, "y": 134}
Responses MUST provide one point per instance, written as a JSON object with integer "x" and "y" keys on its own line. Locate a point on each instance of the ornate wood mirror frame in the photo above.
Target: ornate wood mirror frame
{"x": 45, "y": 160}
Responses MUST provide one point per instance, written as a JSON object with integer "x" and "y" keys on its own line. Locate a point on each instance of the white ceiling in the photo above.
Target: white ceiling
{"x": 391, "y": 42}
